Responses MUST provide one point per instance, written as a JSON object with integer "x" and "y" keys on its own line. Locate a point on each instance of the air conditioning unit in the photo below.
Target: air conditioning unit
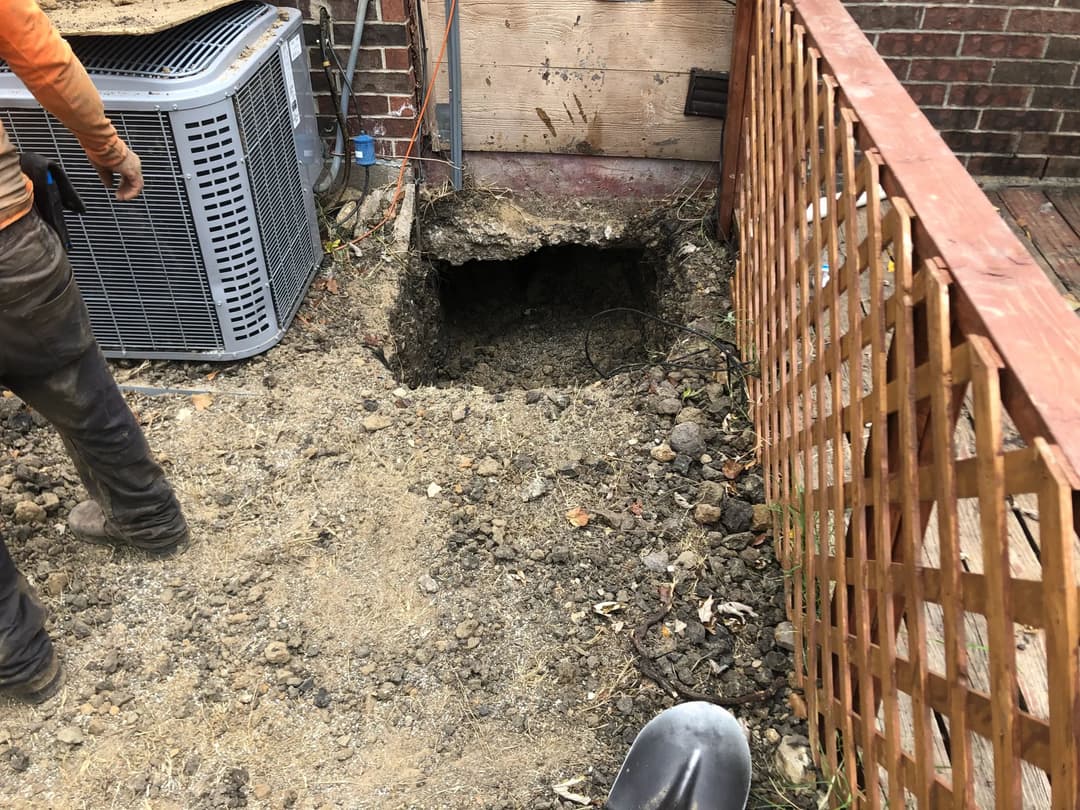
{"x": 213, "y": 260}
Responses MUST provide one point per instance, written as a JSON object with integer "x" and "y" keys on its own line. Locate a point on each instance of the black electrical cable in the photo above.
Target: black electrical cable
{"x": 324, "y": 45}
{"x": 734, "y": 365}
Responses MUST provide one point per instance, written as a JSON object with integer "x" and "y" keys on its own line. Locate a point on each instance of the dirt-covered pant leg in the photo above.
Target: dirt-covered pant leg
{"x": 50, "y": 359}
{"x": 24, "y": 645}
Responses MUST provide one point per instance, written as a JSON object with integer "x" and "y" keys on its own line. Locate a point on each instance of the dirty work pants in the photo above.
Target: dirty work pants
{"x": 50, "y": 360}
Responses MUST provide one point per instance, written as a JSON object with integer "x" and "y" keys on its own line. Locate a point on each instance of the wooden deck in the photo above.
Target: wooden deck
{"x": 1047, "y": 222}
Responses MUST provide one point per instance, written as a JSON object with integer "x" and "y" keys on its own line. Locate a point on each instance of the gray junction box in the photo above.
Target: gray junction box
{"x": 213, "y": 260}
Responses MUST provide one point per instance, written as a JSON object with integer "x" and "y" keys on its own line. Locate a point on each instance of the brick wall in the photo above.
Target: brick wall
{"x": 999, "y": 78}
{"x": 385, "y": 81}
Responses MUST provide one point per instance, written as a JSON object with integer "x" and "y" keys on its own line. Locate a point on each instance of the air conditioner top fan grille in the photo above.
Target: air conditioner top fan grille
{"x": 175, "y": 53}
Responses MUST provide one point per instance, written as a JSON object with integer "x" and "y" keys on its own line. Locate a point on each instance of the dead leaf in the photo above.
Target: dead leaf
{"x": 607, "y": 608}
{"x": 635, "y": 508}
{"x": 731, "y": 469}
{"x": 212, "y": 375}
{"x": 8, "y": 395}
{"x": 705, "y": 611}
{"x": 680, "y": 627}
{"x": 332, "y": 286}
{"x": 201, "y": 401}
{"x": 578, "y": 517}
{"x": 563, "y": 791}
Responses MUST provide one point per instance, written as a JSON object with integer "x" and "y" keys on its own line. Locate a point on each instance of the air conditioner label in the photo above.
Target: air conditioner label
{"x": 295, "y": 47}
{"x": 290, "y": 87}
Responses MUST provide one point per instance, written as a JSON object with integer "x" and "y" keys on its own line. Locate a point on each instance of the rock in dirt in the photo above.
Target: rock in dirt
{"x": 711, "y": 492}
{"x": 663, "y": 453}
{"x": 738, "y": 515}
{"x": 70, "y": 735}
{"x": 657, "y": 562}
{"x": 377, "y": 421}
{"x": 459, "y": 413}
{"x": 793, "y": 760}
{"x": 707, "y": 514}
{"x": 428, "y": 584}
{"x": 535, "y": 488}
{"x": 466, "y": 628}
{"x": 784, "y": 635}
{"x": 761, "y": 521}
{"x": 18, "y": 760}
{"x": 692, "y": 415}
{"x": 57, "y": 583}
{"x": 669, "y": 406}
{"x": 488, "y": 467}
{"x": 28, "y": 512}
{"x": 261, "y": 791}
{"x": 688, "y": 438}
{"x": 277, "y": 652}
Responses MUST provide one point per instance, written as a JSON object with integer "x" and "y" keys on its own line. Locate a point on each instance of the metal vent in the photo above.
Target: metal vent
{"x": 215, "y": 154}
{"x": 138, "y": 264}
{"x": 186, "y": 50}
{"x": 263, "y": 112}
{"x": 707, "y": 93}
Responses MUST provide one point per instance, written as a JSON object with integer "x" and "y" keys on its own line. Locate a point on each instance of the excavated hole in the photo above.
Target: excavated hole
{"x": 523, "y": 323}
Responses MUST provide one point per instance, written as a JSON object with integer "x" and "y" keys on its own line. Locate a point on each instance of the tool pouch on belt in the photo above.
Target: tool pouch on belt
{"x": 53, "y": 193}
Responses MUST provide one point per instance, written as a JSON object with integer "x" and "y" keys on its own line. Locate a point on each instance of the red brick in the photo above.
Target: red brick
{"x": 1066, "y": 49}
{"x": 1062, "y": 167}
{"x": 952, "y": 119}
{"x": 371, "y": 104}
{"x": 391, "y": 83}
{"x": 1040, "y": 143}
{"x": 1022, "y": 46}
{"x": 964, "y": 18}
{"x": 397, "y": 58}
{"x": 967, "y": 141}
{"x": 390, "y": 127}
{"x": 886, "y": 17}
{"x": 1019, "y": 120}
{"x": 394, "y": 11}
{"x": 899, "y": 67}
{"x": 917, "y": 44}
{"x": 1056, "y": 98}
{"x": 1032, "y": 72}
{"x": 989, "y": 95}
{"x": 1006, "y": 165}
{"x": 1044, "y": 21}
{"x": 949, "y": 70}
{"x": 931, "y": 95}
{"x": 369, "y": 58}
{"x": 402, "y": 106}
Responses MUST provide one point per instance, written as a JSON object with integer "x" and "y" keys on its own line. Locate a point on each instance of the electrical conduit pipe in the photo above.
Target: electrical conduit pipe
{"x": 350, "y": 72}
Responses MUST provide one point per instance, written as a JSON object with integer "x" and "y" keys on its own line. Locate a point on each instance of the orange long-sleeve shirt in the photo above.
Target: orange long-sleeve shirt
{"x": 43, "y": 61}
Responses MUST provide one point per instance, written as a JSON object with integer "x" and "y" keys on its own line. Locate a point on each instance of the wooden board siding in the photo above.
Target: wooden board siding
{"x": 584, "y": 76}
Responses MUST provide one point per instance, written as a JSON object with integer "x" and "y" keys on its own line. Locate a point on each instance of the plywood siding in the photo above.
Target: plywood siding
{"x": 585, "y": 76}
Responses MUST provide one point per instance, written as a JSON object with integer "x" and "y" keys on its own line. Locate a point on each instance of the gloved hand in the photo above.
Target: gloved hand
{"x": 131, "y": 179}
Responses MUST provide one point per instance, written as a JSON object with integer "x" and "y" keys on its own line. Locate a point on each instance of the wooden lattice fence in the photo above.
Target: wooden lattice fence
{"x": 919, "y": 409}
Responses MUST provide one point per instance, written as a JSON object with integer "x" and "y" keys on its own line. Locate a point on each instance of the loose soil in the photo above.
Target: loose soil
{"x": 412, "y": 597}
{"x": 108, "y": 17}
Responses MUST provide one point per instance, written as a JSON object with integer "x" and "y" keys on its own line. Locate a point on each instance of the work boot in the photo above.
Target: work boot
{"x": 41, "y": 687}
{"x": 88, "y": 523}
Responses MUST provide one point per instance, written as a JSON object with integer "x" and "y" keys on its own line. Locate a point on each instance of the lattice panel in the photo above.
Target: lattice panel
{"x": 930, "y": 547}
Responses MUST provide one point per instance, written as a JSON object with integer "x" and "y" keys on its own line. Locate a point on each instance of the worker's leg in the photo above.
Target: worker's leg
{"x": 51, "y": 361}
{"x": 27, "y": 663}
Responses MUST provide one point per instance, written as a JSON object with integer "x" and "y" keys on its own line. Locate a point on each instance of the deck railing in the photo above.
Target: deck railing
{"x": 919, "y": 410}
